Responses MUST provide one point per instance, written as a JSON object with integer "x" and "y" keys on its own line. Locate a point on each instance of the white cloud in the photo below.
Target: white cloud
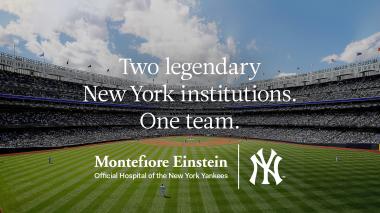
{"x": 231, "y": 46}
{"x": 41, "y": 22}
{"x": 330, "y": 58}
{"x": 252, "y": 45}
{"x": 167, "y": 26}
{"x": 367, "y": 46}
{"x": 170, "y": 31}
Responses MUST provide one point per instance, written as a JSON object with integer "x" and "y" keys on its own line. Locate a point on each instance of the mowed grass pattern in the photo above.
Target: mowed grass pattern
{"x": 313, "y": 180}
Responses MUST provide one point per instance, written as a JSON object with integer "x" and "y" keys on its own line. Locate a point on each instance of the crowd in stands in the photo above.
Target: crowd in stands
{"x": 60, "y": 137}
{"x": 20, "y": 118}
{"x": 64, "y": 118}
{"x": 350, "y": 88}
{"x": 33, "y": 125}
{"x": 26, "y": 85}
{"x": 323, "y": 118}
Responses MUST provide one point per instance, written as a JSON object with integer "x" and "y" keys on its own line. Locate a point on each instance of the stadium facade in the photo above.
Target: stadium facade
{"x": 42, "y": 106}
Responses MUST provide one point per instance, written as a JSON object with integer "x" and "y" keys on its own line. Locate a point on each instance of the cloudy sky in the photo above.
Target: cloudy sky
{"x": 281, "y": 35}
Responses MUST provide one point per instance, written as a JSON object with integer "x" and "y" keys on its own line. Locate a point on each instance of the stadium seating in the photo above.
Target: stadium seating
{"x": 43, "y": 112}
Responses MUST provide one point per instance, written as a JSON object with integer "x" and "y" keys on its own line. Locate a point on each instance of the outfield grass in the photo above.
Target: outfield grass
{"x": 313, "y": 181}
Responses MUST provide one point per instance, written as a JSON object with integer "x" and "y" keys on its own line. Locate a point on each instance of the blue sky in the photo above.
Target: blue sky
{"x": 294, "y": 33}
{"x": 283, "y": 35}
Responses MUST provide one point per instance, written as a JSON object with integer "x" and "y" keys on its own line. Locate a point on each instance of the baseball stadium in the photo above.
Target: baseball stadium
{"x": 189, "y": 106}
{"x": 328, "y": 140}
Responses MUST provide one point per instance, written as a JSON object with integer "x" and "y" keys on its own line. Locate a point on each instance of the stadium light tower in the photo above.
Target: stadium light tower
{"x": 14, "y": 56}
{"x": 14, "y": 49}
{"x": 44, "y": 64}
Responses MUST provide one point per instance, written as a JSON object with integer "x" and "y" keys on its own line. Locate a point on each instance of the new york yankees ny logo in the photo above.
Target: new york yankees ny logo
{"x": 266, "y": 167}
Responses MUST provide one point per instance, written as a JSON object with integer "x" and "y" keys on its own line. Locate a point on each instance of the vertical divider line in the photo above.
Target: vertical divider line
{"x": 238, "y": 156}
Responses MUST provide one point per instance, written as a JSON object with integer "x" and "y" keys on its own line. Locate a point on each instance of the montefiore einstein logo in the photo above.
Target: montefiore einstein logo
{"x": 265, "y": 165}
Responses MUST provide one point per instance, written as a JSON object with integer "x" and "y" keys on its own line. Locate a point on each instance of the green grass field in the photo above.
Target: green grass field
{"x": 313, "y": 181}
